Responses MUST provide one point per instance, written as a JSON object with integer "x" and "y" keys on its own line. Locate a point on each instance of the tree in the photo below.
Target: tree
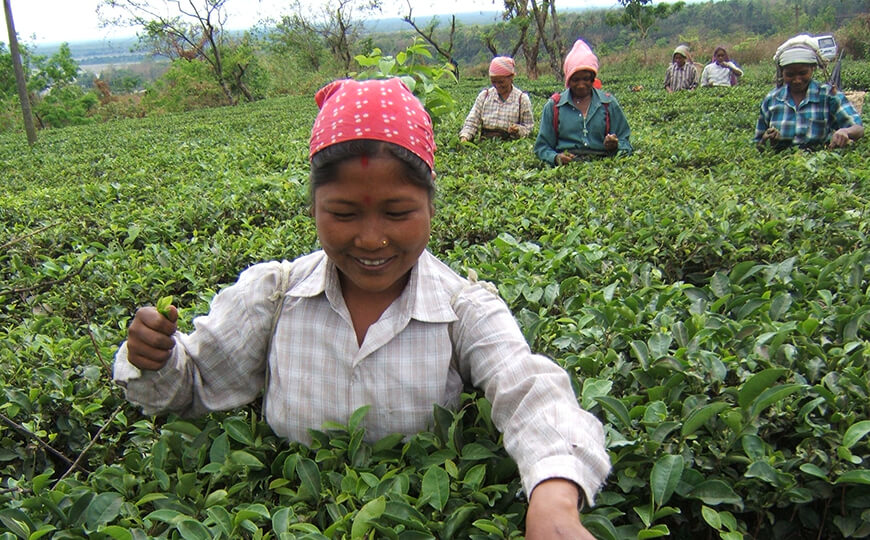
{"x": 516, "y": 13}
{"x": 641, "y": 16}
{"x": 57, "y": 99}
{"x": 21, "y": 83}
{"x": 338, "y": 24}
{"x": 530, "y": 18}
{"x": 428, "y": 35}
{"x": 194, "y": 32}
{"x": 293, "y": 36}
{"x": 551, "y": 41}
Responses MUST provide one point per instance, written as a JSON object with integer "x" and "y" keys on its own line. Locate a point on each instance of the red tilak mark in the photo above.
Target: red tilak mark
{"x": 367, "y": 200}
{"x": 364, "y": 161}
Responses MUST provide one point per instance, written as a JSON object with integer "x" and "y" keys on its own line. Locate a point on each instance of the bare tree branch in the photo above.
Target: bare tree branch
{"x": 428, "y": 35}
{"x": 81, "y": 456}
{"x": 26, "y": 432}
{"x": 49, "y": 283}
{"x": 26, "y": 236}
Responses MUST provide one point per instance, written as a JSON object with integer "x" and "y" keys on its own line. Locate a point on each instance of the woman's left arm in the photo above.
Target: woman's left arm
{"x": 527, "y": 120}
{"x": 533, "y": 403}
{"x": 619, "y": 127}
{"x": 843, "y": 136}
{"x": 732, "y": 65}
{"x": 847, "y": 122}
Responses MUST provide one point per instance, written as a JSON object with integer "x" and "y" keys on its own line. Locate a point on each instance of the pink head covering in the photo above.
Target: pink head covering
{"x": 382, "y": 110}
{"x": 580, "y": 58}
{"x": 501, "y": 66}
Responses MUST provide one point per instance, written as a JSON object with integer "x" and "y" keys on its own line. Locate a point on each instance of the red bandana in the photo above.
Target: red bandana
{"x": 383, "y": 110}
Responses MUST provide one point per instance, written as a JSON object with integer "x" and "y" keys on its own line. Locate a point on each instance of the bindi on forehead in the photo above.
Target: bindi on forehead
{"x": 367, "y": 200}
{"x": 364, "y": 161}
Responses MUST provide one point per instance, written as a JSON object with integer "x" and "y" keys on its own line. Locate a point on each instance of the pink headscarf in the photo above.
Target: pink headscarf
{"x": 501, "y": 66}
{"x": 580, "y": 58}
{"x": 382, "y": 110}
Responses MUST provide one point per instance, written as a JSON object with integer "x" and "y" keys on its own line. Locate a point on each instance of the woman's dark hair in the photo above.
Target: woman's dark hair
{"x": 324, "y": 164}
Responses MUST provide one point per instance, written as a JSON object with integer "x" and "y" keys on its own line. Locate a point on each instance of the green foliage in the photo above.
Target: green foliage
{"x": 186, "y": 85}
{"x": 422, "y": 78}
{"x": 7, "y": 73}
{"x": 55, "y": 98}
{"x": 709, "y": 302}
{"x": 641, "y": 15}
{"x": 65, "y": 105}
{"x": 292, "y": 38}
{"x": 242, "y": 69}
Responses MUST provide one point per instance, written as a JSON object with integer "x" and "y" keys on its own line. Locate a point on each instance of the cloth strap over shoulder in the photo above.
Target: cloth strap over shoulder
{"x": 277, "y": 296}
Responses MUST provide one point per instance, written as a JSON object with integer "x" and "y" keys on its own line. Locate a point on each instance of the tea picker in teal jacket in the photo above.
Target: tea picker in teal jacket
{"x": 582, "y": 121}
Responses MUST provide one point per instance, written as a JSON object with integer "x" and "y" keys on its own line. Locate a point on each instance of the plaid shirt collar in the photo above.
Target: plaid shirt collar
{"x": 814, "y": 94}
{"x": 422, "y": 299}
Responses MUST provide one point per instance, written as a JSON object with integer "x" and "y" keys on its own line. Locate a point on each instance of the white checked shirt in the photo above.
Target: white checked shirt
{"x": 441, "y": 331}
{"x": 491, "y": 112}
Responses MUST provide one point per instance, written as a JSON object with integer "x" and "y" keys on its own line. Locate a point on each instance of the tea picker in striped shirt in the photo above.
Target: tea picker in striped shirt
{"x": 800, "y": 111}
{"x": 681, "y": 73}
{"x": 502, "y": 110}
{"x": 375, "y": 319}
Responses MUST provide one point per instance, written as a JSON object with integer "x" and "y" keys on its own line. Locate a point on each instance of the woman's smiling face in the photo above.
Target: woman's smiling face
{"x": 373, "y": 223}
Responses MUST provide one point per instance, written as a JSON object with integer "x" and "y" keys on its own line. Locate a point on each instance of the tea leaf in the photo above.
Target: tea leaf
{"x": 701, "y": 416}
{"x": 855, "y": 433}
{"x": 368, "y": 514}
{"x": 436, "y": 487}
{"x": 664, "y": 477}
{"x": 856, "y": 476}
{"x": 757, "y": 384}
{"x": 163, "y": 305}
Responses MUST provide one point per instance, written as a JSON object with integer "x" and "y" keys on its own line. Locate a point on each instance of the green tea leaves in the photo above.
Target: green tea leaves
{"x": 163, "y": 305}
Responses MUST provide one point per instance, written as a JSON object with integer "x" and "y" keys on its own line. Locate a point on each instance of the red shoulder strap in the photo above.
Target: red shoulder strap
{"x": 556, "y": 97}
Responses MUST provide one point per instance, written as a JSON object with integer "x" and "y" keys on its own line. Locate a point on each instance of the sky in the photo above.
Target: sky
{"x": 54, "y": 21}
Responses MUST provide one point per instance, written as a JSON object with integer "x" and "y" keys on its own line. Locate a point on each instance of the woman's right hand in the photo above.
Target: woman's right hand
{"x": 563, "y": 158}
{"x": 149, "y": 340}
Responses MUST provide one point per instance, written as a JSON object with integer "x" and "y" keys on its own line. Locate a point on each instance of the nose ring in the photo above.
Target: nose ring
{"x": 385, "y": 242}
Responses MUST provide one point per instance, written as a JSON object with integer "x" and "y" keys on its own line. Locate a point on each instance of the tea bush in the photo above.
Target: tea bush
{"x": 711, "y": 303}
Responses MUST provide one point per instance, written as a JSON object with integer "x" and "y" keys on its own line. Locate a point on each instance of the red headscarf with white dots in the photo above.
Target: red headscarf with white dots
{"x": 383, "y": 110}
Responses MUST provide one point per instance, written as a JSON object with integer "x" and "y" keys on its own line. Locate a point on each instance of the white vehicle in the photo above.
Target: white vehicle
{"x": 827, "y": 46}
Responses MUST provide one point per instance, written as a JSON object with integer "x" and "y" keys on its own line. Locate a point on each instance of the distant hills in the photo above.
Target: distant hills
{"x": 118, "y": 51}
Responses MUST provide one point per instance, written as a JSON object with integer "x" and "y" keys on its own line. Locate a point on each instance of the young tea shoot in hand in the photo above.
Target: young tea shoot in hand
{"x": 163, "y": 305}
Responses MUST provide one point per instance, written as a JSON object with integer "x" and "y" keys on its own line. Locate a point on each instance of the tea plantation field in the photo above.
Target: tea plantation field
{"x": 711, "y": 302}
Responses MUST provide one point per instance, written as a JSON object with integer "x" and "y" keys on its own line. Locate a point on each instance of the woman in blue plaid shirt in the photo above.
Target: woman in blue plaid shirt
{"x": 800, "y": 111}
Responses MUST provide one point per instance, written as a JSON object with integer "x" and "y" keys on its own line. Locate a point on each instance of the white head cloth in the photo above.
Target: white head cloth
{"x": 801, "y": 49}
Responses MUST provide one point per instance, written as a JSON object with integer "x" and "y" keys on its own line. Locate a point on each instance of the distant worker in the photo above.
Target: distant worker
{"x": 801, "y": 111}
{"x": 501, "y": 111}
{"x": 681, "y": 74}
{"x": 581, "y": 121}
{"x": 721, "y": 71}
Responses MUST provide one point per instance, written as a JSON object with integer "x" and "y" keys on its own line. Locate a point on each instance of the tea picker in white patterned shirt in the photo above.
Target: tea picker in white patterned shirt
{"x": 721, "y": 71}
{"x": 373, "y": 319}
{"x": 502, "y": 110}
